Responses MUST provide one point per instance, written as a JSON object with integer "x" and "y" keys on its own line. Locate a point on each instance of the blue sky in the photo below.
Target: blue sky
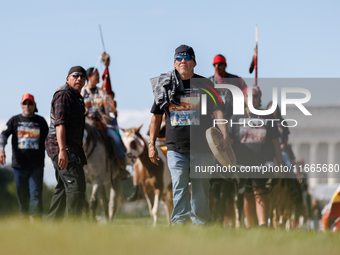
{"x": 41, "y": 40}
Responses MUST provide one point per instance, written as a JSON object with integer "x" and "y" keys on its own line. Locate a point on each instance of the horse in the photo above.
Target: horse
{"x": 155, "y": 179}
{"x": 222, "y": 201}
{"x": 100, "y": 170}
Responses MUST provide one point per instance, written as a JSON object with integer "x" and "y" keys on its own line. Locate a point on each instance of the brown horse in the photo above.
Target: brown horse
{"x": 155, "y": 179}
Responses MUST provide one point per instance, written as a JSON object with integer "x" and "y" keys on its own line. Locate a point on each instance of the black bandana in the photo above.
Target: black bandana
{"x": 78, "y": 69}
{"x": 185, "y": 50}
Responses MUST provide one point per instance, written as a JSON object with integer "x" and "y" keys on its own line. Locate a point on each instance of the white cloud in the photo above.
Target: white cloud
{"x": 135, "y": 118}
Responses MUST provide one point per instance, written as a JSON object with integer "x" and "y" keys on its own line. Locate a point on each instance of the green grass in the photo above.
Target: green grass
{"x": 137, "y": 236}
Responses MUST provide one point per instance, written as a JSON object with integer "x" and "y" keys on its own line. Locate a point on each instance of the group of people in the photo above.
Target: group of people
{"x": 172, "y": 92}
{"x": 63, "y": 141}
{"x": 253, "y": 145}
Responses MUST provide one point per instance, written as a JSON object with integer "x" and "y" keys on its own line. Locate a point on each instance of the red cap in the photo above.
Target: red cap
{"x": 219, "y": 59}
{"x": 256, "y": 88}
{"x": 27, "y": 97}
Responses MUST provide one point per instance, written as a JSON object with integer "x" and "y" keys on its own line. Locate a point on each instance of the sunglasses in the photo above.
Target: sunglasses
{"x": 76, "y": 75}
{"x": 30, "y": 103}
{"x": 186, "y": 58}
{"x": 255, "y": 96}
{"x": 218, "y": 64}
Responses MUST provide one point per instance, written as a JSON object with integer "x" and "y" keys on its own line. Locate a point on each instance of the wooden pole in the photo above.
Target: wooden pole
{"x": 255, "y": 62}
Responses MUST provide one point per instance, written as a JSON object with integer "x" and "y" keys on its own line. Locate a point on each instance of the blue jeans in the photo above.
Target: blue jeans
{"x": 286, "y": 158}
{"x": 198, "y": 208}
{"x": 119, "y": 147}
{"x": 29, "y": 185}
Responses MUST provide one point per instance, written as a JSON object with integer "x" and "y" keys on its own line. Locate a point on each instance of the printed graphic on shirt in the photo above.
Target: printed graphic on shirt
{"x": 253, "y": 133}
{"x": 188, "y": 112}
{"x": 28, "y": 135}
{"x": 94, "y": 101}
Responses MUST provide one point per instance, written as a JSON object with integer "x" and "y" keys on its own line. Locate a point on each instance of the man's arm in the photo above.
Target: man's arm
{"x": 218, "y": 114}
{"x": 61, "y": 139}
{"x": 61, "y": 106}
{"x": 278, "y": 152}
{"x": 3, "y": 141}
{"x": 155, "y": 125}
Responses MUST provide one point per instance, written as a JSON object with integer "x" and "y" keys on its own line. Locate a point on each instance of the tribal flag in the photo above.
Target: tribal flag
{"x": 106, "y": 76}
{"x": 106, "y": 81}
{"x": 335, "y": 205}
{"x": 253, "y": 64}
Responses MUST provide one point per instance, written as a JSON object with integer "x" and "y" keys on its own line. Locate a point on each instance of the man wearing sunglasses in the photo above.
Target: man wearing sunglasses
{"x": 178, "y": 94}
{"x": 223, "y": 77}
{"x": 28, "y": 132}
{"x": 64, "y": 147}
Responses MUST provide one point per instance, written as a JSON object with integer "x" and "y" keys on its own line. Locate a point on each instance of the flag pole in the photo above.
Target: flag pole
{"x": 101, "y": 36}
{"x": 255, "y": 62}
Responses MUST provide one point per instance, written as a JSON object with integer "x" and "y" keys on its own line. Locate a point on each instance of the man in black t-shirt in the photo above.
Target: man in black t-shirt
{"x": 178, "y": 95}
{"x": 28, "y": 153}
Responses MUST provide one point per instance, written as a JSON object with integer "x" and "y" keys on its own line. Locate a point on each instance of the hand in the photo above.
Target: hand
{"x": 62, "y": 159}
{"x": 223, "y": 145}
{"x": 153, "y": 154}
{"x": 2, "y": 158}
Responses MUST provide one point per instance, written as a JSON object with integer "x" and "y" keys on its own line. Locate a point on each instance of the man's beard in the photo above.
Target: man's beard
{"x": 183, "y": 72}
{"x": 27, "y": 112}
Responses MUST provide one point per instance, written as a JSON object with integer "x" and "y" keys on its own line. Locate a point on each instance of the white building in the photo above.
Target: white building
{"x": 316, "y": 139}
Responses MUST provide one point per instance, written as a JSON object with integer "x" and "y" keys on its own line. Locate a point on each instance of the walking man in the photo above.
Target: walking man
{"x": 64, "y": 147}
{"x": 28, "y": 132}
{"x": 177, "y": 96}
{"x": 221, "y": 76}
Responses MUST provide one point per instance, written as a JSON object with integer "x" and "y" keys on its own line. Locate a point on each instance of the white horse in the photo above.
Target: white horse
{"x": 101, "y": 169}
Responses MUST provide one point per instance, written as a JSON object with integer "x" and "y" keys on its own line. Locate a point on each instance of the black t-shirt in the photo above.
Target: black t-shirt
{"x": 253, "y": 145}
{"x": 225, "y": 94}
{"x": 28, "y": 140}
{"x": 185, "y": 124}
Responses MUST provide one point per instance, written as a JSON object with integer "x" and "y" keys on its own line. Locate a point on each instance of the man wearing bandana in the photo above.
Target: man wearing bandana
{"x": 221, "y": 76}
{"x": 177, "y": 95}
{"x": 64, "y": 146}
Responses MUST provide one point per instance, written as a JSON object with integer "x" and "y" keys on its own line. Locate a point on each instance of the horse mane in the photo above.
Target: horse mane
{"x": 93, "y": 135}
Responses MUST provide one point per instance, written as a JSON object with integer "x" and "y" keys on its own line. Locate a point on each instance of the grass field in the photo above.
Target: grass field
{"x": 137, "y": 236}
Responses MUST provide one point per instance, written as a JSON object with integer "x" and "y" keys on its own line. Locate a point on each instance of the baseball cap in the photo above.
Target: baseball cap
{"x": 30, "y": 97}
{"x": 27, "y": 96}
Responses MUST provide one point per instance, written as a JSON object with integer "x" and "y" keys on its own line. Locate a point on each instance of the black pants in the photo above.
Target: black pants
{"x": 69, "y": 195}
